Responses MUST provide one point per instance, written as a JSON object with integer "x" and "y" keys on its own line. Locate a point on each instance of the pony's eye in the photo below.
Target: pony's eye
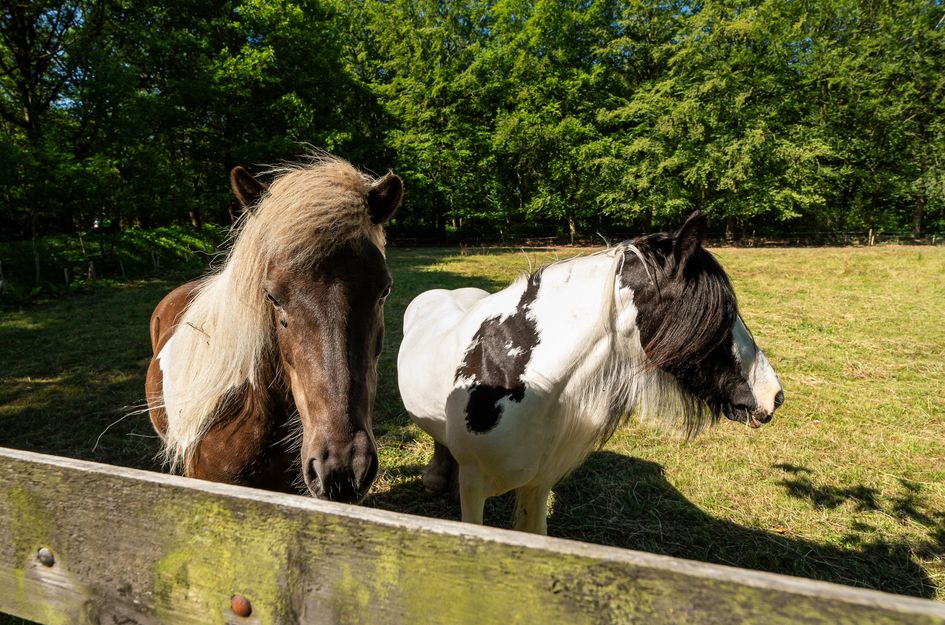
{"x": 385, "y": 293}
{"x": 272, "y": 300}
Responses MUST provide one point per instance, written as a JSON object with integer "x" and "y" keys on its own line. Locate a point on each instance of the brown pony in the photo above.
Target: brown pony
{"x": 274, "y": 355}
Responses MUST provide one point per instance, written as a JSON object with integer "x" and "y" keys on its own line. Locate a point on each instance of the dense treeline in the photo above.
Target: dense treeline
{"x": 503, "y": 116}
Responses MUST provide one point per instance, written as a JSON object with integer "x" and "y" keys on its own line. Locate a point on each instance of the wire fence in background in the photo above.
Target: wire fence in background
{"x": 856, "y": 238}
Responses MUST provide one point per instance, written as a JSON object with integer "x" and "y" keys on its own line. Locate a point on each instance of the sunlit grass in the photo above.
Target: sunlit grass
{"x": 847, "y": 483}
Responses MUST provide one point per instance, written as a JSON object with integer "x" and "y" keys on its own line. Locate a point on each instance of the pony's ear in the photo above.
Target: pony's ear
{"x": 689, "y": 238}
{"x": 384, "y": 197}
{"x": 247, "y": 189}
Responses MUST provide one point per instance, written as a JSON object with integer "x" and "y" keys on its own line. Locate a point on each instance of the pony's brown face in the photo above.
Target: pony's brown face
{"x": 328, "y": 317}
{"x": 329, "y": 324}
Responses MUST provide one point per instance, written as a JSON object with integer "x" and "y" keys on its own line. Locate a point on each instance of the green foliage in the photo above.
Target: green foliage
{"x": 565, "y": 116}
{"x": 96, "y": 258}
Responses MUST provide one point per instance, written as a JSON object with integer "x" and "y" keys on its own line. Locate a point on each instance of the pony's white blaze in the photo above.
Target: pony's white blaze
{"x": 520, "y": 385}
{"x": 764, "y": 382}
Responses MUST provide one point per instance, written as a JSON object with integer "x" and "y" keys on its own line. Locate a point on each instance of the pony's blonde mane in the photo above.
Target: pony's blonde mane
{"x": 224, "y": 336}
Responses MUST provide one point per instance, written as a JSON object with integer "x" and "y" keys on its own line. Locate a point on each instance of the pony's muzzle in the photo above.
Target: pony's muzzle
{"x": 760, "y": 417}
{"x": 342, "y": 473}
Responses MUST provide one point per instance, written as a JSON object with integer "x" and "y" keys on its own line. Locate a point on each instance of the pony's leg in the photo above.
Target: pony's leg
{"x": 472, "y": 494}
{"x": 441, "y": 472}
{"x": 531, "y": 509}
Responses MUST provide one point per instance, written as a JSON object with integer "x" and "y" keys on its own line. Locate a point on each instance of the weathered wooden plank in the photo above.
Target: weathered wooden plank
{"x": 135, "y": 547}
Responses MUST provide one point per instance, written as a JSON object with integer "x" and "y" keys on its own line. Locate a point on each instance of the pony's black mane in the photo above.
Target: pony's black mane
{"x": 684, "y": 311}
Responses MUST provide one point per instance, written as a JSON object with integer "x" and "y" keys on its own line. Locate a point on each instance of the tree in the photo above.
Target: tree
{"x": 723, "y": 129}
{"x": 878, "y": 77}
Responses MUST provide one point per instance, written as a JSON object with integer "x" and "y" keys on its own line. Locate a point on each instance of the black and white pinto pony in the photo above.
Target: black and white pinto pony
{"x": 518, "y": 387}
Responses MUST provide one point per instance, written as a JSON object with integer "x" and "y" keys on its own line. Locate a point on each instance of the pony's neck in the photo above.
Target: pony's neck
{"x": 574, "y": 314}
{"x": 608, "y": 376}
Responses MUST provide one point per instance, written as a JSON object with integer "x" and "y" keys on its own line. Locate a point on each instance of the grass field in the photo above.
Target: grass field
{"x": 847, "y": 484}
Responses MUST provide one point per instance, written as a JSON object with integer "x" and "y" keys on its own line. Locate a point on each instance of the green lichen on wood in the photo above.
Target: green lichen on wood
{"x": 29, "y": 529}
{"x": 216, "y": 550}
{"x": 436, "y": 579}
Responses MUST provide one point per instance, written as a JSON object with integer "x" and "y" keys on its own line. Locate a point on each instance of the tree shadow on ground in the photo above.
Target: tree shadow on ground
{"x": 864, "y": 498}
{"x": 627, "y": 502}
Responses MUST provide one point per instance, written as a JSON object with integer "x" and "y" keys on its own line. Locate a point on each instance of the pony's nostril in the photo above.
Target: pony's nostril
{"x": 779, "y": 399}
{"x": 339, "y": 485}
{"x": 365, "y": 470}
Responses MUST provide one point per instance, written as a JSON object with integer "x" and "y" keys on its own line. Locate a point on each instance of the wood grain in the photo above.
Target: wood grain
{"x": 133, "y": 547}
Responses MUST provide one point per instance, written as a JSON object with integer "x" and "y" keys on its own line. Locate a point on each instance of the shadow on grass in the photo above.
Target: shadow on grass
{"x": 627, "y": 502}
{"x": 905, "y": 508}
{"x": 73, "y": 374}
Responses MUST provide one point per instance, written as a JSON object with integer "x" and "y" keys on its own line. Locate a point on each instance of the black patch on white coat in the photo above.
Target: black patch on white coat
{"x": 495, "y": 373}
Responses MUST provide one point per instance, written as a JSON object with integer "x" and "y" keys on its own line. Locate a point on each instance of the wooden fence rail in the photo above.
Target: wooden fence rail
{"x": 85, "y": 543}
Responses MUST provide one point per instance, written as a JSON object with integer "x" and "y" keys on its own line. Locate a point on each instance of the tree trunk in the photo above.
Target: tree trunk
{"x": 38, "y": 274}
{"x": 195, "y": 219}
{"x": 569, "y": 202}
{"x": 439, "y": 220}
{"x": 918, "y": 217}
